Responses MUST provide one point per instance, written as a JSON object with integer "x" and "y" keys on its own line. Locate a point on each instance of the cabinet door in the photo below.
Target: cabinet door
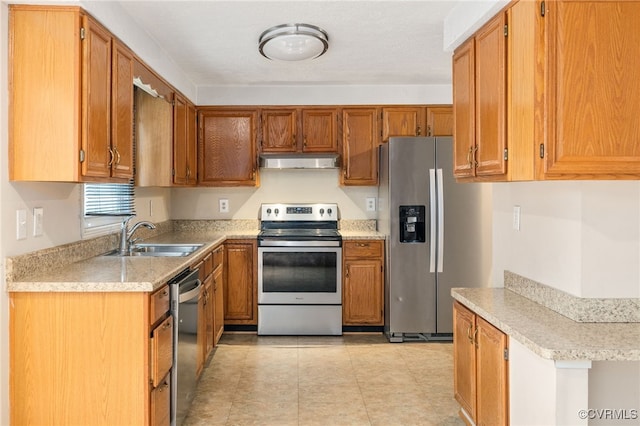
{"x": 490, "y": 86}
{"x": 240, "y": 289}
{"x": 161, "y": 403}
{"x": 439, "y": 121}
{"x": 227, "y": 147}
{"x": 279, "y": 130}
{"x": 218, "y": 306}
{"x": 464, "y": 358}
{"x": 179, "y": 140}
{"x": 593, "y": 93}
{"x": 360, "y": 138}
{"x": 491, "y": 375}
{"x": 192, "y": 145}
{"x": 319, "y": 130}
{"x": 464, "y": 107}
{"x": 96, "y": 106}
{"x": 122, "y": 111}
{"x": 161, "y": 350}
{"x": 402, "y": 121}
{"x": 363, "y": 293}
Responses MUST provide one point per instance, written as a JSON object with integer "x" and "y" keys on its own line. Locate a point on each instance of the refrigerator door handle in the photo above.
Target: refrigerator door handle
{"x": 440, "y": 181}
{"x": 432, "y": 222}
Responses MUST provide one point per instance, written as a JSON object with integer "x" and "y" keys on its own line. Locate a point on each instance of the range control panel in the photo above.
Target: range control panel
{"x": 307, "y": 212}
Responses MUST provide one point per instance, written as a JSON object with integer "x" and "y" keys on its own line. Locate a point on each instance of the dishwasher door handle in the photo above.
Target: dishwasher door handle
{"x": 191, "y": 293}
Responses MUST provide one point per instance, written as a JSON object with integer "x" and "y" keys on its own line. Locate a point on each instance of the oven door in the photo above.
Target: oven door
{"x": 300, "y": 275}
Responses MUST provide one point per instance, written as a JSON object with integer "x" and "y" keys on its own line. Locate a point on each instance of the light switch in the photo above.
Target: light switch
{"x": 21, "y": 224}
{"x": 38, "y": 217}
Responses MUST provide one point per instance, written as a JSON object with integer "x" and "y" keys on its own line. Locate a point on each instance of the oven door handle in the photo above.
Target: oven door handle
{"x": 283, "y": 243}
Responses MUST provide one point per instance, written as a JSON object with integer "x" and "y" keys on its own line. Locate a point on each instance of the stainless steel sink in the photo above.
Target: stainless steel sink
{"x": 160, "y": 250}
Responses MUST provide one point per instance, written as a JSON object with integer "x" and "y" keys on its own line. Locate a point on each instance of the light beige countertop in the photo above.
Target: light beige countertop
{"x": 128, "y": 273}
{"x": 131, "y": 273}
{"x": 549, "y": 334}
{"x": 361, "y": 235}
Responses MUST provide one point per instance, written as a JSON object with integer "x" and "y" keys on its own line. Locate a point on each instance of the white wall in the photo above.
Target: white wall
{"x": 581, "y": 237}
{"x": 303, "y": 186}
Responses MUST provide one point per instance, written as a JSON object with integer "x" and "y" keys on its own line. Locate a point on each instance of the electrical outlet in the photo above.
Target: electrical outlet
{"x": 371, "y": 204}
{"x": 38, "y": 217}
{"x": 223, "y": 204}
{"x": 516, "y": 218}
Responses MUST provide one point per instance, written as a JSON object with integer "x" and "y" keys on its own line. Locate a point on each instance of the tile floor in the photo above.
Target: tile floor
{"x": 355, "y": 379}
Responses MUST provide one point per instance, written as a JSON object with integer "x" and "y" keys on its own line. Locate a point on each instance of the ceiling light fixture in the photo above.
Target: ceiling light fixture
{"x": 293, "y": 42}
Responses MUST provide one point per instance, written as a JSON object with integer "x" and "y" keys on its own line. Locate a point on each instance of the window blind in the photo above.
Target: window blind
{"x": 109, "y": 199}
{"x": 104, "y": 207}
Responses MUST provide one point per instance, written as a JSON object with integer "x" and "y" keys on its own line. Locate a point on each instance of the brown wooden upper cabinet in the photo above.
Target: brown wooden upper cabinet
{"x": 299, "y": 130}
{"x": 360, "y": 140}
{"x": 530, "y": 105}
{"x": 440, "y": 121}
{"x": 402, "y": 121}
{"x": 76, "y": 78}
{"x": 184, "y": 142}
{"x": 227, "y": 151}
{"x": 479, "y": 99}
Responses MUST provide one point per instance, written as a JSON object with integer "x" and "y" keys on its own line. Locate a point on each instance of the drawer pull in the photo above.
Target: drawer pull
{"x": 166, "y": 325}
{"x": 363, "y": 244}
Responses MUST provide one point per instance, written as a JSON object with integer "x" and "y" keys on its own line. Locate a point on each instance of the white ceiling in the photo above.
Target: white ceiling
{"x": 215, "y": 42}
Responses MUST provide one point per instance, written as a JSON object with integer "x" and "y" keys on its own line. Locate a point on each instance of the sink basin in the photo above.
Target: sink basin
{"x": 160, "y": 250}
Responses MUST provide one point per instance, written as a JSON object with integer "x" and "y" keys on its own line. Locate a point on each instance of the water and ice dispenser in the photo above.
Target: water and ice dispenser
{"x": 412, "y": 224}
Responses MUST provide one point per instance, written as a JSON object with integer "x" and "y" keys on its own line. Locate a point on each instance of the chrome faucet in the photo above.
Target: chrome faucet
{"x": 125, "y": 234}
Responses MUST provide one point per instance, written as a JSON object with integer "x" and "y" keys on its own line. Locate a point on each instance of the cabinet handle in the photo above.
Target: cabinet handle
{"x": 363, "y": 244}
{"x": 469, "y": 156}
{"x": 469, "y": 334}
{"x": 305, "y": 141}
{"x": 111, "y": 157}
{"x": 115, "y": 149}
{"x": 188, "y": 172}
{"x": 293, "y": 140}
{"x": 419, "y": 131}
{"x": 346, "y": 273}
{"x": 475, "y": 337}
{"x": 164, "y": 387}
{"x": 475, "y": 161}
{"x": 428, "y": 130}
{"x": 166, "y": 325}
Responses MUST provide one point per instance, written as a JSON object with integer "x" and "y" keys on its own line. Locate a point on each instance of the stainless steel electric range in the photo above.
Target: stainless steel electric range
{"x": 299, "y": 270}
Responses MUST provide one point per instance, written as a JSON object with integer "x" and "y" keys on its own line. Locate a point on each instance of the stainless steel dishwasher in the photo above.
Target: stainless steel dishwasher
{"x": 185, "y": 289}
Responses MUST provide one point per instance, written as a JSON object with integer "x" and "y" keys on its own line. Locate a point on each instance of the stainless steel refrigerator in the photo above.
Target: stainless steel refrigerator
{"x": 438, "y": 236}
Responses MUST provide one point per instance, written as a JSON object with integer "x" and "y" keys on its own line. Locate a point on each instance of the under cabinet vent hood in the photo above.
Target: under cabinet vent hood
{"x": 299, "y": 161}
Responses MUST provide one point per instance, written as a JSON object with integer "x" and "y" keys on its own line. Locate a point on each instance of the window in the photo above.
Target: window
{"x": 105, "y": 205}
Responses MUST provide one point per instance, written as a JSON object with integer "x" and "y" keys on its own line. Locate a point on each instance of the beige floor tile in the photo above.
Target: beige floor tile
{"x": 262, "y": 413}
{"x": 333, "y": 413}
{"x": 355, "y": 379}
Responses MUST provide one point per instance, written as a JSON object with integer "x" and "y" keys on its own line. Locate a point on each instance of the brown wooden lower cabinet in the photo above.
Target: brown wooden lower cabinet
{"x": 363, "y": 282}
{"x": 480, "y": 364}
{"x": 240, "y": 286}
{"x": 90, "y": 358}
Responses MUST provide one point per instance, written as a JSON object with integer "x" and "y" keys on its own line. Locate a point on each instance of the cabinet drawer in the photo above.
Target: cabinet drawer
{"x": 161, "y": 403}
{"x": 161, "y": 350}
{"x": 159, "y": 304}
{"x": 363, "y": 248}
{"x": 218, "y": 257}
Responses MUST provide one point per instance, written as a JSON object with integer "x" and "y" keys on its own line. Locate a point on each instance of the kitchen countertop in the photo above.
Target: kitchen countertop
{"x": 138, "y": 273}
{"x": 128, "y": 273}
{"x": 549, "y": 334}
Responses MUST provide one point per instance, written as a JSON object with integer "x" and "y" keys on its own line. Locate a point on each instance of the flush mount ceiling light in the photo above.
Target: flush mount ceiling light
{"x": 293, "y": 42}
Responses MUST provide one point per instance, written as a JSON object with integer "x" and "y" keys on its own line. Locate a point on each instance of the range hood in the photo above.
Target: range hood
{"x": 299, "y": 161}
